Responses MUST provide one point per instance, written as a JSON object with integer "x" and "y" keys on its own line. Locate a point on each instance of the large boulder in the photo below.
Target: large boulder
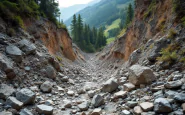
{"x": 14, "y": 103}
{"x": 97, "y": 101}
{"x": 27, "y": 47}
{"x": 156, "y": 48}
{"x": 141, "y": 75}
{"x": 46, "y": 87}
{"x": 15, "y": 53}
{"x": 161, "y": 105}
{"x": 44, "y": 109}
{"x": 7, "y": 66}
{"x": 6, "y": 91}
{"x": 26, "y": 96}
{"x": 110, "y": 85}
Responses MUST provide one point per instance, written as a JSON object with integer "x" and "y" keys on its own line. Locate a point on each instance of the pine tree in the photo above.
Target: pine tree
{"x": 79, "y": 28}
{"x": 130, "y": 15}
{"x": 74, "y": 28}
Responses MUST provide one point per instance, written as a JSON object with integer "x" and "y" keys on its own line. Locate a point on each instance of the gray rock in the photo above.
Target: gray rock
{"x": 129, "y": 86}
{"x": 44, "y": 109}
{"x": 148, "y": 113}
{"x": 84, "y": 106}
{"x": 46, "y": 87}
{"x": 141, "y": 75}
{"x": 155, "y": 50}
{"x": 14, "y": 103}
{"x": 180, "y": 97}
{"x": 5, "y": 91}
{"x": 125, "y": 112}
{"x": 173, "y": 84}
{"x": 147, "y": 106}
{"x": 25, "y": 112}
{"x": 26, "y": 96}
{"x": 7, "y": 66}
{"x": 97, "y": 101}
{"x": 6, "y": 113}
{"x": 131, "y": 104}
{"x": 96, "y": 111}
{"x": 161, "y": 105}
{"x": 15, "y": 53}
{"x": 50, "y": 72}
{"x": 110, "y": 85}
{"x": 170, "y": 94}
{"x": 137, "y": 110}
{"x": 26, "y": 46}
{"x": 134, "y": 57}
{"x": 91, "y": 93}
{"x": 65, "y": 79}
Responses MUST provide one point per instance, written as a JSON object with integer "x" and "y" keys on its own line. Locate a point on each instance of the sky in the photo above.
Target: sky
{"x": 67, "y": 3}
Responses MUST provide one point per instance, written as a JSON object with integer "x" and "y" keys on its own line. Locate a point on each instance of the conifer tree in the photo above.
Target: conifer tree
{"x": 74, "y": 28}
{"x": 130, "y": 14}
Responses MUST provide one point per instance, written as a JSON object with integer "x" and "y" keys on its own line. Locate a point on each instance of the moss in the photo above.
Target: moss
{"x": 59, "y": 58}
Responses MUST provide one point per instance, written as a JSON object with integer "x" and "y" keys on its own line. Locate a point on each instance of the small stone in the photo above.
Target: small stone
{"x": 183, "y": 107}
{"x": 25, "y": 112}
{"x": 50, "y": 72}
{"x": 131, "y": 104}
{"x": 26, "y": 96}
{"x": 173, "y": 84}
{"x": 44, "y": 109}
{"x": 27, "y": 68}
{"x": 5, "y": 91}
{"x": 110, "y": 85}
{"x": 84, "y": 106}
{"x": 46, "y": 87}
{"x": 161, "y": 105}
{"x": 60, "y": 88}
{"x": 96, "y": 111}
{"x": 129, "y": 86}
{"x": 120, "y": 94}
{"x": 65, "y": 79}
{"x": 91, "y": 93}
{"x": 67, "y": 104}
{"x": 71, "y": 93}
{"x": 137, "y": 110}
{"x": 97, "y": 101}
{"x": 14, "y": 103}
{"x": 147, "y": 106}
{"x": 126, "y": 112}
{"x": 49, "y": 102}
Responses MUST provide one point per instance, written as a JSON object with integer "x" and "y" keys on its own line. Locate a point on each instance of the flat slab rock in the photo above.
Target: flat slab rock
{"x": 147, "y": 106}
{"x": 5, "y": 91}
{"x": 44, "y": 109}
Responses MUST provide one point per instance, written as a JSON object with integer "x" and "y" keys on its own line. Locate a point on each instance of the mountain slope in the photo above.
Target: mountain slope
{"x": 67, "y": 12}
{"x": 102, "y": 13}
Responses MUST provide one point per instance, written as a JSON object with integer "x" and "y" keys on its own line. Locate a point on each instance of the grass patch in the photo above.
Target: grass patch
{"x": 121, "y": 33}
{"x": 114, "y": 25}
{"x": 109, "y": 40}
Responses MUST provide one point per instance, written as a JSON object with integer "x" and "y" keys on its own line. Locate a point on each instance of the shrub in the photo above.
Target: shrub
{"x": 172, "y": 33}
{"x": 59, "y": 58}
{"x": 18, "y": 21}
{"x": 151, "y": 9}
{"x": 11, "y": 32}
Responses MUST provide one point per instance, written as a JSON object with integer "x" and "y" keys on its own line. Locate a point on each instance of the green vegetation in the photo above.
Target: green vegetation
{"x": 130, "y": 15}
{"x": 172, "y": 33}
{"x": 178, "y": 9}
{"x": 88, "y": 39}
{"x": 103, "y": 13}
{"x": 14, "y": 11}
{"x": 110, "y": 40}
{"x": 151, "y": 9}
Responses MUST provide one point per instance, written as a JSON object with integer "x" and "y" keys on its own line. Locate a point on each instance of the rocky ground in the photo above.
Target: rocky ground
{"x": 35, "y": 83}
